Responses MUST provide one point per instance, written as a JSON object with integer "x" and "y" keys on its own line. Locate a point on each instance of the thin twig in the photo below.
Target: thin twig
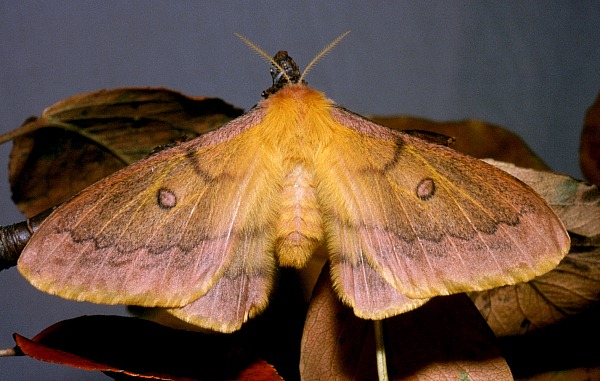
{"x": 382, "y": 373}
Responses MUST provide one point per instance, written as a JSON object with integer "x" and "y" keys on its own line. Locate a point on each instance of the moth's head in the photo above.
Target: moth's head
{"x": 289, "y": 67}
{"x": 284, "y": 70}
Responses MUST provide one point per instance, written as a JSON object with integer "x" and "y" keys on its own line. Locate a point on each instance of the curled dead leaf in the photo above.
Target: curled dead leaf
{"x": 86, "y": 137}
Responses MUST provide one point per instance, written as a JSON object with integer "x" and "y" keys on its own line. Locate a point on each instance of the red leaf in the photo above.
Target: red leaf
{"x": 131, "y": 348}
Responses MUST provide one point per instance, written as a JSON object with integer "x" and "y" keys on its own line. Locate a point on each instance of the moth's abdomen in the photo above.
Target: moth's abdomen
{"x": 299, "y": 226}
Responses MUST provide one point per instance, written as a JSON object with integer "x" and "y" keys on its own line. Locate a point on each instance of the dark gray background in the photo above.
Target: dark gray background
{"x": 533, "y": 67}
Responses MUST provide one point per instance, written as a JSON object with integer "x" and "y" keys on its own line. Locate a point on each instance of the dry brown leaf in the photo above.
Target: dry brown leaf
{"x": 473, "y": 137}
{"x": 444, "y": 339}
{"x": 336, "y": 345}
{"x": 589, "y": 149}
{"x": 86, "y": 137}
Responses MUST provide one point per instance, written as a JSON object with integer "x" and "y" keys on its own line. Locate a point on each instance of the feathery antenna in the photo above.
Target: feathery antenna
{"x": 322, "y": 54}
{"x": 264, "y": 55}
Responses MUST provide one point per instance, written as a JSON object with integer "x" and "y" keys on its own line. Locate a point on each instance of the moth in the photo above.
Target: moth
{"x": 201, "y": 228}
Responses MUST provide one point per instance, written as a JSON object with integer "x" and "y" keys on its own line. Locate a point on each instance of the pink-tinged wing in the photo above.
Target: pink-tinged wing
{"x": 407, "y": 220}
{"x": 165, "y": 230}
{"x": 240, "y": 293}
